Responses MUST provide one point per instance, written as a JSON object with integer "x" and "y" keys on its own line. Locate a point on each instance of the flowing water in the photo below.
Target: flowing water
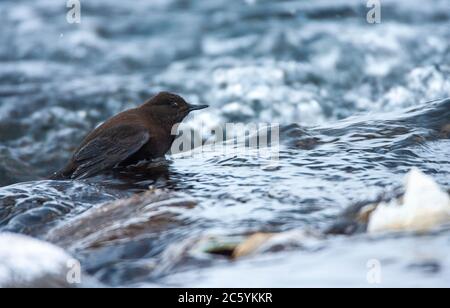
{"x": 358, "y": 105}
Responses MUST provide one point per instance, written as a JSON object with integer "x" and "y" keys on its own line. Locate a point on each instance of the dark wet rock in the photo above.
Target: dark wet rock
{"x": 240, "y": 246}
{"x": 120, "y": 221}
{"x": 29, "y": 263}
{"x": 354, "y": 219}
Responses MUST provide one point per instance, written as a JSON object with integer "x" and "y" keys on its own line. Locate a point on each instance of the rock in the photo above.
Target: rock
{"x": 224, "y": 246}
{"x": 423, "y": 207}
{"x": 251, "y": 244}
{"x": 260, "y": 243}
{"x": 29, "y": 263}
{"x": 239, "y": 246}
{"x": 120, "y": 220}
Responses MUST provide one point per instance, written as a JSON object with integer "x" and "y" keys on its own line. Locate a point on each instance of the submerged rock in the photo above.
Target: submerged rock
{"x": 260, "y": 243}
{"x": 29, "y": 263}
{"x": 120, "y": 220}
{"x": 239, "y": 246}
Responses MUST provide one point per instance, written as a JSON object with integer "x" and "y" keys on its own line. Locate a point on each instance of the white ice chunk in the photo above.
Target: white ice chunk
{"x": 424, "y": 206}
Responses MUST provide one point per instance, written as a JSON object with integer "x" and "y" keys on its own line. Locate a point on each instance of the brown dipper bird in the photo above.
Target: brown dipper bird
{"x": 134, "y": 135}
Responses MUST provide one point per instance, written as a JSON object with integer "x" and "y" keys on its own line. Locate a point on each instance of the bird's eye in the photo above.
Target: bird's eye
{"x": 174, "y": 104}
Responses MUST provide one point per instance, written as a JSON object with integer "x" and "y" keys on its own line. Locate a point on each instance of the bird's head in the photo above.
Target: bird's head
{"x": 170, "y": 108}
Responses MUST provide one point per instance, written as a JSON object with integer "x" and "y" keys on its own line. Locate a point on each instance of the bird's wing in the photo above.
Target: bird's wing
{"x": 109, "y": 149}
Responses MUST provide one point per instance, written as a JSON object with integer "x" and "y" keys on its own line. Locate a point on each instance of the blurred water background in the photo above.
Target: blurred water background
{"x": 359, "y": 105}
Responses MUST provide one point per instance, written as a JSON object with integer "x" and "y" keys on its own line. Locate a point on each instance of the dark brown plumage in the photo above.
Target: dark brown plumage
{"x": 137, "y": 134}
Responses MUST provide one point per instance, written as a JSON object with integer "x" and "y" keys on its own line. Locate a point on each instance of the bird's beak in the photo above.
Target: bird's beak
{"x": 196, "y": 107}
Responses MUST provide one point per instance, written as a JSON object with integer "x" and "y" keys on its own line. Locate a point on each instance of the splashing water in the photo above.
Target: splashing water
{"x": 359, "y": 106}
